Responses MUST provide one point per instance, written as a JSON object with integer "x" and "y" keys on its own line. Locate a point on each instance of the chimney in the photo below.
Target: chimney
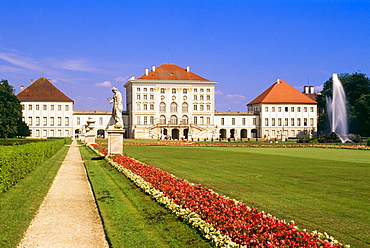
{"x": 22, "y": 88}
{"x": 31, "y": 81}
{"x": 312, "y": 90}
{"x": 153, "y": 67}
{"x": 305, "y": 89}
{"x": 146, "y": 71}
{"x": 187, "y": 68}
{"x": 278, "y": 81}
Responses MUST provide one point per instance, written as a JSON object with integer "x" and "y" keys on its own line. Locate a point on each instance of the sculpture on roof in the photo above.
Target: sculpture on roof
{"x": 117, "y": 108}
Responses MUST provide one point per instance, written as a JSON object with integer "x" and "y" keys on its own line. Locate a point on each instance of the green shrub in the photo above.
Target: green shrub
{"x": 17, "y": 161}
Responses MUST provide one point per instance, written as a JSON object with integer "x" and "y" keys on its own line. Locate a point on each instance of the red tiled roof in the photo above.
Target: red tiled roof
{"x": 43, "y": 90}
{"x": 171, "y": 72}
{"x": 282, "y": 92}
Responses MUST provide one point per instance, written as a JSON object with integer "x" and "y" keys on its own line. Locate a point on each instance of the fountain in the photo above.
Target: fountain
{"x": 337, "y": 110}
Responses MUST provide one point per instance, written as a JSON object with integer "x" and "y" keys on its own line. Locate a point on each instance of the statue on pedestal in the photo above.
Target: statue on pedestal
{"x": 117, "y": 108}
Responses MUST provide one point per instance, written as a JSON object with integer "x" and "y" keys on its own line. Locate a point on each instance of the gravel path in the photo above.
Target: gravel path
{"x": 68, "y": 216}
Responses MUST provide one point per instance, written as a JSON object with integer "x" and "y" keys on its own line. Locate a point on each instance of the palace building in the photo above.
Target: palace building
{"x": 171, "y": 102}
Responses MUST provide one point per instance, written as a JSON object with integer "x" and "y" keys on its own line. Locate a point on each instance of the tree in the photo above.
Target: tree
{"x": 355, "y": 86}
{"x": 22, "y": 129}
{"x": 362, "y": 107}
{"x": 10, "y": 110}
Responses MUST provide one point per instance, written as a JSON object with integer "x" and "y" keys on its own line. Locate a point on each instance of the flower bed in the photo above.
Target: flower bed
{"x": 227, "y": 222}
{"x": 207, "y": 144}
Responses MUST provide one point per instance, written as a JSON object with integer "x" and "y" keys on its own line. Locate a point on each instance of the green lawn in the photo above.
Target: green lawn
{"x": 131, "y": 218}
{"x": 320, "y": 189}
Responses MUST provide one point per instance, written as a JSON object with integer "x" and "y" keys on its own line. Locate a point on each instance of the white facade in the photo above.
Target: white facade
{"x": 176, "y": 109}
{"x": 48, "y": 119}
{"x": 286, "y": 120}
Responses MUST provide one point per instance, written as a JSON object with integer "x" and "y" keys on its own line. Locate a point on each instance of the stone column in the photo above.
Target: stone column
{"x": 115, "y": 141}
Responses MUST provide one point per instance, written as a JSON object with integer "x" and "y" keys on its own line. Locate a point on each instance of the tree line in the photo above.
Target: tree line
{"x": 11, "y": 124}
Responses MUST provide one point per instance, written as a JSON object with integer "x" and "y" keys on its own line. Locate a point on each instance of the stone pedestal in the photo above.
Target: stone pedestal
{"x": 90, "y": 139}
{"x": 115, "y": 141}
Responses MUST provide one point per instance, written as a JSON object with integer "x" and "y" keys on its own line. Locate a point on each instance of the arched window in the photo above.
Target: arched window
{"x": 173, "y": 120}
{"x": 173, "y": 107}
{"x": 185, "y": 120}
{"x": 162, "y": 120}
{"x": 185, "y": 107}
{"x": 163, "y": 90}
{"x": 162, "y": 107}
{"x": 173, "y": 90}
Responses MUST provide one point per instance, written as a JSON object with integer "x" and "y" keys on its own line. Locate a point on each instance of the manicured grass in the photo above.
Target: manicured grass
{"x": 320, "y": 189}
{"x": 19, "y": 205}
{"x": 131, "y": 218}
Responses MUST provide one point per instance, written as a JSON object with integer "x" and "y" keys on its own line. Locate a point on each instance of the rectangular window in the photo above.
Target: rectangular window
{"x": 299, "y": 109}
{"x": 208, "y": 107}
{"x": 311, "y": 122}
{"x": 195, "y": 107}
{"x": 201, "y": 97}
{"x": 208, "y": 120}
{"x": 185, "y": 91}
{"x": 52, "y": 107}
{"x": 37, "y": 107}
{"x": 292, "y": 122}
{"x": 195, "y": 97}
{"x": 145, "y": 106}
{"x": 266, "y": 109}
{"x": 100, "y": 120}
{"x": 305, "y": 109}
{"x": 195, "y": 90}
{"x": 59, "y": 121}
{"x": 201, "y": 107}
{"x": 254, "y": 121}
{"x": 273, "y": 122}
{"x": 30, "y": 107}
{"x": 151, "y": 120}
{"x": 298, "y": 121}
{"x": 163, "y": 90}
{"x": 195, "y": 120}
{"x": 138, "y": 89}
{"x": 273, "y": 109}
{"x": 138, "y": 106}
{"x": 208, "y": 98}
{"x": 201, "y": 120}
{"x": 266, "y": 121}
{"x": 151, "y": 97}
{"x": 145, "y": 89}
{"x": 232, "y": 121}
{"x": 52, "y": 121}
{"x": 44, "y": 121}
{"x": 222, "y": 121}
{"x": 279, "y": 122}
{"x": 145, "y": 97}
{"x": 138, "y": 97}
{"x": 66, "y": 121}
{"x": 37, "y": 121}
{"x": 279, "y": 109}
{"x": 173, "y": 91}
{"x": 292, "y": 109}
{"x": 311, "y": 109}
{"x": 59, "y": 107}
{"x": 286, "y": 122}
{"x": 151, "y": 106}
{"x": 22, "y": 106}
{"x": 44, "y": 107}
{"x": 145, "y": 120}
{"x": 30, "y": 121}
{"x": 243, "y": 121}
{"x": 138, "y": 120}
{"x": 286, "y": 109}
{"x": 78, "y": 121}
{"x": 305, "y": 122}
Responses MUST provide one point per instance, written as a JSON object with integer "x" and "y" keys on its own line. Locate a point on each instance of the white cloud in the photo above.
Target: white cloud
{"x": 21, "y": 61}
{"x": 319, "y": 88}
{"x": 104, "y": 84}
{"x": 121, "y": 79}
{"x": 218, "y": 92}
{"x": 235, "y": 97}
{"x": 74, "y": 64}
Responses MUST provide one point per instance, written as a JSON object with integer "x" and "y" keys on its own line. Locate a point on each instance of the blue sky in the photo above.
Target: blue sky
{"x": 86, "y": 47}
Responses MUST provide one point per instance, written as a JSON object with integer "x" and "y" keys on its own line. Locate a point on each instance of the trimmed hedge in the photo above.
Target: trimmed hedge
{"x": 17, "y": 161}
